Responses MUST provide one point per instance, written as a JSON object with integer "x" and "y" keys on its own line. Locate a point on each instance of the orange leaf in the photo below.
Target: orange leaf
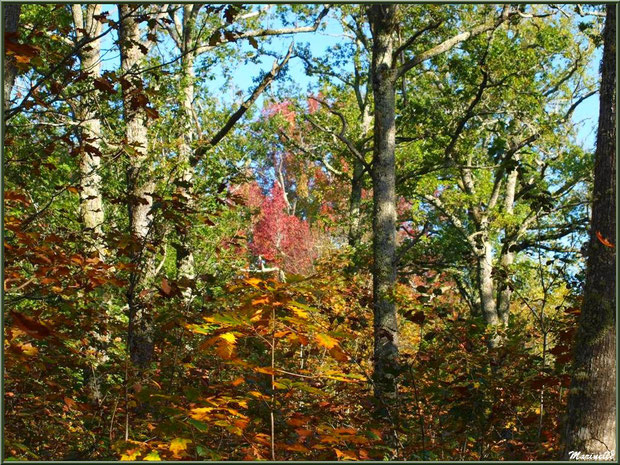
{"x": 326, "y": 341}
{"x": 70, "y": 403}
{"x": 345, "y": 455}
{"x": 604, "y": 241}
{"x": 238, "y": 381}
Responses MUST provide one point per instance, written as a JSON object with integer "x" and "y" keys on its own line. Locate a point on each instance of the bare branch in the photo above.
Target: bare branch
{"x": 236, "y": 116}
{"x": 339, "y": 135}
{"x": 311, "y": 154}
{"x": 268, "y": 32}
{"x": 409, "y": 42}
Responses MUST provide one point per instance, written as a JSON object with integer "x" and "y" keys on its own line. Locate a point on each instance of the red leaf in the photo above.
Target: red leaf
{"x": 31, "y": 327}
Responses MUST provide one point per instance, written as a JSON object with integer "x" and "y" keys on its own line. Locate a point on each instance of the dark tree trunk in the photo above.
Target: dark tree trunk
{"x": 11, "y": 21}
{"x": 383, "y": 23}
{"x": 591, "y": 422}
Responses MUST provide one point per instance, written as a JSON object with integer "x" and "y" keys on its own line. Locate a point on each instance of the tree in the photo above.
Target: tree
{"x": 11, "y": 21}
{"x": 508, "y": 176}
{"x": 88, "y": 27}
{"x": 385, "y": 72}
{"x": 591, "y": 423}
{"x": 140, "y": 184}
{"x": 383, "y": 21}
{"x": 195, "y": 35}
{"x": 281, "y": 237}
{"x": 264, "y": 346}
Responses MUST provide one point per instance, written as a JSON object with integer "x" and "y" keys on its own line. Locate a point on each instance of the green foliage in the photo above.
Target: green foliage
{"x": 252, "y": 362}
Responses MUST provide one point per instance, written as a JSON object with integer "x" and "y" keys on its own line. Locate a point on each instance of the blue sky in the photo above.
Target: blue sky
{"x": 586, "y": 115}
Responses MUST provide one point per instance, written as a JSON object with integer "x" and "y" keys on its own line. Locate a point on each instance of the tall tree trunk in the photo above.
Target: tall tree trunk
{"x": 504, "y": 293}
{"x": 357, "y": 184}
{"x": 11, "y": 22}
{"x": 591, "y": 422}
{"x": 487, "y": 289}
{"x": 91, "y": 204}
{"x": 185, "y": 256}
{"x": 355, "y": 203}
{"x": 186, "y": 43}
{"x": 140, "y": 186}
{"x": 383, "y": 24}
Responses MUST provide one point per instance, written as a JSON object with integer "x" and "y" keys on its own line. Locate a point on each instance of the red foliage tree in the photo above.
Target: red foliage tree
{"x": 281, "y": 238}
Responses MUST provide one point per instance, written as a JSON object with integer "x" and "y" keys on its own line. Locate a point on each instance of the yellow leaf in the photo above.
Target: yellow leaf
{"x": 259, "y": 395}
{"x": 326, "y": 341}
{"x": 229, "y": 337}
{"x": 201, "y": 413}
{"x": 178, "y": 445}
{"x": 299, "y": 312}
{"x": 29, "y": 349}
{"x": 152, "y": 456}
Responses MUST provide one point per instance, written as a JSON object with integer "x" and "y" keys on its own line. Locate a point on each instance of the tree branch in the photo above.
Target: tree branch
{"x": 236, "y": 116}
{"x": 409, "y": 42}
{"x": 452, "y": 42}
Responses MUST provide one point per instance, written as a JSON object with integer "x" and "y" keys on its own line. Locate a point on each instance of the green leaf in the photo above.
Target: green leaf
{"x": 199, "y": 425}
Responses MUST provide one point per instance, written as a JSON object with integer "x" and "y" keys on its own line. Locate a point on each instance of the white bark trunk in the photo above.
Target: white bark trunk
{"x": 91, "y": 203}
{"x": 141, "y": 187}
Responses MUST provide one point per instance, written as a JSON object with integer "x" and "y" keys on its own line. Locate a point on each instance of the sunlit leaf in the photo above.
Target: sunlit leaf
{"x": 178, "y": 445}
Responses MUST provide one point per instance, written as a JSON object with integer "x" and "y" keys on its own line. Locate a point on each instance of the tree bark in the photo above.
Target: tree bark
{"x": 140, "y": 186}
{"x": 11, "y": 22}
{"x": 591, "y": 422}
{"x": 91, "y": 203}
{"x": 355, "y": 202}
{"x": 487, "y": 290}
{"x": 185, "y": 256}
{"x": 504, "y": 293}
{"x": 357, "y": 183}
{"x": 383, "y": 24}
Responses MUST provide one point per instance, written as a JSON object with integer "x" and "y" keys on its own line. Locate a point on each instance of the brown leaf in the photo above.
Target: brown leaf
{"x": 151, "y": 113}
{"x": 165, "y": 287}
{"x": 139, "y": 101}
{"x": 417, "y": 317}
{"x": 21, "y": 50}
{"x": 31, "y": 327}
{"x": 253, "y": 42}
{"x": 104, "y": 85}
